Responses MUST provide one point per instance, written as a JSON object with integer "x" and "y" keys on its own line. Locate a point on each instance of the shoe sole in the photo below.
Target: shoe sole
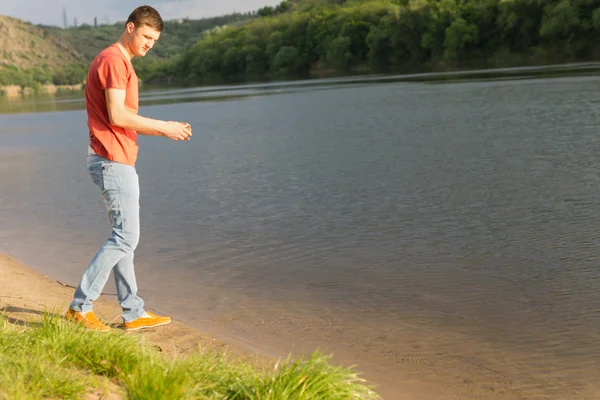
{"x": 147, "y": 326}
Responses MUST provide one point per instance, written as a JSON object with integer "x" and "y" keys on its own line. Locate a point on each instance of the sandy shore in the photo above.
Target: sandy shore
{"x": 26, "y": 293}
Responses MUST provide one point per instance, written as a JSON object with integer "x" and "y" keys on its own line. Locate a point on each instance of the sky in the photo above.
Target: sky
{"x": 50, "y": 12}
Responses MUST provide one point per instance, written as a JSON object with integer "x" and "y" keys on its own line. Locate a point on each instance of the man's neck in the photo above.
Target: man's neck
{"x": 122, "y": 45}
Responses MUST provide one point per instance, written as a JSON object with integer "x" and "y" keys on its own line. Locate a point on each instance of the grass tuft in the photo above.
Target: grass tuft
{"x": 60, "y": 360}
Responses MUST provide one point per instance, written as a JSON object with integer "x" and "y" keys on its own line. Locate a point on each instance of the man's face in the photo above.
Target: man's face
{"x": 141, "y": 39}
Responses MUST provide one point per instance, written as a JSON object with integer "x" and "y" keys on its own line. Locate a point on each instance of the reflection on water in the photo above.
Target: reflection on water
{"x": 443, "y": 237}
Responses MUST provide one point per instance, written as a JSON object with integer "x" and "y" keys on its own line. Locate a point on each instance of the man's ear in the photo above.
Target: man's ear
{"x": 130, "y": 27}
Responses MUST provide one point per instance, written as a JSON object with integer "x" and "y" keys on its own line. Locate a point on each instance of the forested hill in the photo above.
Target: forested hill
{"x": 301, "y": 36}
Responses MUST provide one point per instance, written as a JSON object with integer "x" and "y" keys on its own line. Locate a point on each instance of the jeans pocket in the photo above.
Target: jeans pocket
{"x": 95, "y": 171}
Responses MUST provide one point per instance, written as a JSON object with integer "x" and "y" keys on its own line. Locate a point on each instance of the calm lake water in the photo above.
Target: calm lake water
{"x": 443, "y": 237}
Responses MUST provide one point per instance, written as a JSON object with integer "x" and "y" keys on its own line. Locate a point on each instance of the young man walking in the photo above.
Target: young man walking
{"x": 111, "y": 95}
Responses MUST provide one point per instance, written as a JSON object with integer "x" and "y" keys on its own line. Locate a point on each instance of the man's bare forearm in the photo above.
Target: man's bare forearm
{"x": 142, "y": 125}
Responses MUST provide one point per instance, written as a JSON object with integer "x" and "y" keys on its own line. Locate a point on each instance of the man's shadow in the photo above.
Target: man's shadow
{"x": 21, "y": 322}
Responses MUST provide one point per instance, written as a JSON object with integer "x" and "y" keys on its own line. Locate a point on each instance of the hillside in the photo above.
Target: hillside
{"x": 177, "y": 36}
{"x": 25, "y": 46}
{"x": 34, "y": 55}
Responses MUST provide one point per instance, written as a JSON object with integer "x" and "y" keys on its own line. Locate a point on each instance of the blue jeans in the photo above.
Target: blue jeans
{"x": 121, "y": 192}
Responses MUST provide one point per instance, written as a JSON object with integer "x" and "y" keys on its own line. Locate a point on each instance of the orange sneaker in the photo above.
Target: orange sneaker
{"x": 88, "y": 319}
{"x": 142, "y": 322}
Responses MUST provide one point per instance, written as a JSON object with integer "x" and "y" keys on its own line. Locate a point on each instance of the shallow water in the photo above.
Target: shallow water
{"x": 442, "y": 237}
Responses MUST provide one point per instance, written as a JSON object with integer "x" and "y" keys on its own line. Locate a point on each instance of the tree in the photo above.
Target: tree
{"x": 284, "y": 6}
{"x": 234, "y": 61}
{"x": 519, "y": 24}
{"x": 287, "y": 61}
{"x": 460, "y": 37}
{"x": 568, "y": 24}
{"x": 266, "y": 11}
{"x": 441, "y": 14}
{"x": 339, "y": 53}
{"x": 378, "y": 41}
{"x": 560, "y": 21}
{"x": 357, "y": 31}
{"x": 257, "y": 61}
{"x": 274, "y": 45}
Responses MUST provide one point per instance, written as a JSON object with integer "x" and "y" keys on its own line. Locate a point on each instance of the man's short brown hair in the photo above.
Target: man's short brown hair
{"x": 146, "y": 16}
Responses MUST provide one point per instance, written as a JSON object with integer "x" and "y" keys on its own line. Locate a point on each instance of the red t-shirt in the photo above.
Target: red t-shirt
{"x": 111, "y": 69}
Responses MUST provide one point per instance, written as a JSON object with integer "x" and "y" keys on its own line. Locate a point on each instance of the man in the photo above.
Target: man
{"x": 111, "y": 95}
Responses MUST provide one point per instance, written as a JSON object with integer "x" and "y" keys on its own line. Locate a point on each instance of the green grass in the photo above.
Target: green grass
{"x": 58, "y": 359}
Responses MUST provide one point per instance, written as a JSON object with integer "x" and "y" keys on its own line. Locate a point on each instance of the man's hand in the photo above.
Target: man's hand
{"x": 177, "y": 130}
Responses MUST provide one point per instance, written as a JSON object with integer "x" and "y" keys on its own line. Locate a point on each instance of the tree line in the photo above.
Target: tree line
{"x": 299, "y": 37}
{"x": 43, "y": 75}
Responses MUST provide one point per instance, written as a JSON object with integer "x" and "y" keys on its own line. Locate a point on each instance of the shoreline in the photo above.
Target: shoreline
{"x": 26, "y": 292}
{"x": 16, "y": 90}
{"x": 46, "y": 356}
{"x": 426, "y": 75}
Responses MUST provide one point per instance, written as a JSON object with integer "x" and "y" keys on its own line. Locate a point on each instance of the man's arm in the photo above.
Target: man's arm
{"x": 119, "y": 116}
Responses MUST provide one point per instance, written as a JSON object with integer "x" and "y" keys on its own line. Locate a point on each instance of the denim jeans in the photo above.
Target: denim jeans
{"x": 121, "y": 192}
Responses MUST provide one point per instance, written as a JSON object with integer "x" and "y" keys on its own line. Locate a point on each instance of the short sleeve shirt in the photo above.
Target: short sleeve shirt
{"x": 111, "y": 69}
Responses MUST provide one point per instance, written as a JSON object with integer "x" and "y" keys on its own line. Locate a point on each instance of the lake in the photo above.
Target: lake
{"x": 444, "y": 237}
